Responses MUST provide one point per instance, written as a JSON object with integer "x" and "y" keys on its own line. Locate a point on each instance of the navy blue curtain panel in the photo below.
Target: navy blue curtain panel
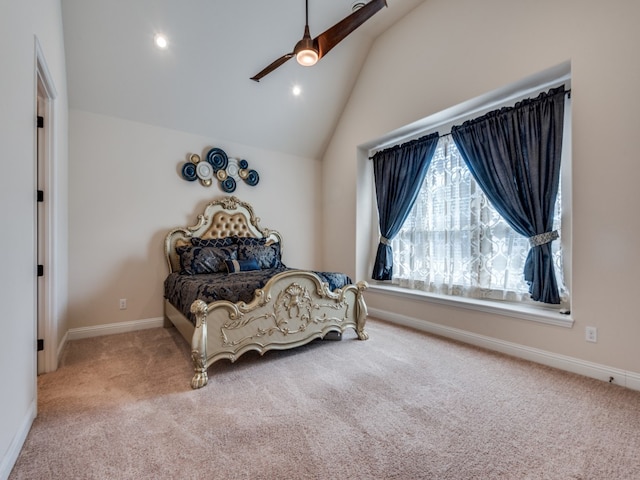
{"x": 399, "y": 172}
{"x": 514, "y": 155}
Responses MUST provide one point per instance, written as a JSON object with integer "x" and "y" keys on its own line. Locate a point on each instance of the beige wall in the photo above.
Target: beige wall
{"x": 126, "y": 193}
{"x": 20, "y": 23}
{"x": 462, "y": 49}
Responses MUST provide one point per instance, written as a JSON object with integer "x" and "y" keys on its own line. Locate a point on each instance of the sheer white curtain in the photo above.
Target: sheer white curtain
{"x": 455, "y": 243}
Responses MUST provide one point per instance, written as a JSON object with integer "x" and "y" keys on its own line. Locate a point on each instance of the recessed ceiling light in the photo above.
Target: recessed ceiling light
{"x": 160, "y": 41}
{"x": 296, "y": 90}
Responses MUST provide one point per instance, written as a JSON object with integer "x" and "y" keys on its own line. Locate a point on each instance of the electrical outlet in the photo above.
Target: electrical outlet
{"x": 591, "y": 334}
{"x": 123, "y": 304}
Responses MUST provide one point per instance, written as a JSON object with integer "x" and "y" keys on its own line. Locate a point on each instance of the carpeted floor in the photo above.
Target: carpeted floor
{"x": 402, "y": 405}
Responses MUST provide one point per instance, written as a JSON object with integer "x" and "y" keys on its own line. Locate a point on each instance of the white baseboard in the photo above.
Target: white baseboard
{"x": 113, "y": 328}
{"x": 570, "y": 364}
{"x": 11, "y": 456}
{"x": 61, "y": 345}
{"x": 633, "y": 380}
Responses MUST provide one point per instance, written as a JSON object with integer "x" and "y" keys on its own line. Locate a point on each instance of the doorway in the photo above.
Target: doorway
{"x": 47, "y": 358}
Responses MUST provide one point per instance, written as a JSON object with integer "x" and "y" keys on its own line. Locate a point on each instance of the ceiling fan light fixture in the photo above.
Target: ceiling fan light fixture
{"x": 307, "y": 57}
{"x": 305, "y": 52}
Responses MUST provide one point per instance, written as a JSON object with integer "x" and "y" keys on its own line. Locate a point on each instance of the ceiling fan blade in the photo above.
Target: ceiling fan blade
{"x": 272, "y": 66}
{"x": 334, "y": 35}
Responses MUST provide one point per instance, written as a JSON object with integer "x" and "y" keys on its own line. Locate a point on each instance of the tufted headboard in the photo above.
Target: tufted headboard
{"x": 222, "y": 218}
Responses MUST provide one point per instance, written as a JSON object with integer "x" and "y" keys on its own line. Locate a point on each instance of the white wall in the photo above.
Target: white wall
{"x": 462, "y": 49}
{"x": 126, "y": 193}
{"x": 20, "y": 22}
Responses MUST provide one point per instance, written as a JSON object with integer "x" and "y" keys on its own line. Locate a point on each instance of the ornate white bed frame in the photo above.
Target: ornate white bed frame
{"x": 292, "y": 309}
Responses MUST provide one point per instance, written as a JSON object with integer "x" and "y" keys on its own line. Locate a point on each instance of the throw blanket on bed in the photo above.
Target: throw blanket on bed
{"x": 182, "y": 290}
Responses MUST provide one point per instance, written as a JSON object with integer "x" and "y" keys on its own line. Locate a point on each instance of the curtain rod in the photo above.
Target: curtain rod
{"x": 566, "y": 92}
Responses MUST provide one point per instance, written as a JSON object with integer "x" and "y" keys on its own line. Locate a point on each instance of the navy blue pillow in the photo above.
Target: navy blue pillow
{"x": 234, "y": 266}
{"x": 249, "y": 240}
{"x": 267, "y": 256}
{"x": 199, "y": 260}
{"x": 212, "y": 242}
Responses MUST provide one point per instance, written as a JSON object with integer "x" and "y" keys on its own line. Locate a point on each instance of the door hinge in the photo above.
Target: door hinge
{"x": 40, "y": 344}
{"x": 41, "y": 270}
{"x": 40, "y": 122}
{"x": 40, "y": 195}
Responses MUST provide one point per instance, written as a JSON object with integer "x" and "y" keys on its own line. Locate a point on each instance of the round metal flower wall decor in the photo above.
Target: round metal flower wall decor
{"x": 218, "y": 166}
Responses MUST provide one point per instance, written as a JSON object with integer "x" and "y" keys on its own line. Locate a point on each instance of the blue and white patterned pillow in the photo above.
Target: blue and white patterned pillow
{"x": 234, "y": 266}
{"x": 249, "y": 240}
{"x": 267, "y": 256}
{"x": 212, "y": 242}
{"x": 199, "y": 260}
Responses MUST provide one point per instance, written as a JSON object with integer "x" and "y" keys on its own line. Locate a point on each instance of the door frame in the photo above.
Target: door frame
{"x": 45, "y": 95}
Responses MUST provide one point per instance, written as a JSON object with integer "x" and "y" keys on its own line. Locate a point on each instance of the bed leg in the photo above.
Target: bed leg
{"x": 361, "y": 311}
{"x": 200, "y": 378}
{"x": 199, "y": 345}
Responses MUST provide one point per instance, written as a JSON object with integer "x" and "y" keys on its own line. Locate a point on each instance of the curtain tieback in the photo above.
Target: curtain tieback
{"x": 543, "y": 238}
{"x": 384, "y": 241}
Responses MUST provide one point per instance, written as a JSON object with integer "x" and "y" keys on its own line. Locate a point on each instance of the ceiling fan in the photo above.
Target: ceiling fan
{"x": 308, "y": 51}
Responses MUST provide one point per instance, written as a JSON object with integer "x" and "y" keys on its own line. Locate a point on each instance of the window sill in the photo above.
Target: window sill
{"x": 524, "y": 312}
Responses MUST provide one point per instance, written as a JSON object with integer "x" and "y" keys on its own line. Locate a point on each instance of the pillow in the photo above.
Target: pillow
{"x": 198, "y": 260}
{"x": 234, "y": 266}
{"x": 249, "y": 240}
{"x": 212, "y": 242}
{"x": 267, "y": 256}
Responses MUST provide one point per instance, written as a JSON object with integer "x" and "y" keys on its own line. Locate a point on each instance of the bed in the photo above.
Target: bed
{"x": 228, "y": 291}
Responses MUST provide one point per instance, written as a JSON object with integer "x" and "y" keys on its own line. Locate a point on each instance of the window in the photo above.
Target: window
{"x": 455, "y": 243}
{"x": 454, "y": 248}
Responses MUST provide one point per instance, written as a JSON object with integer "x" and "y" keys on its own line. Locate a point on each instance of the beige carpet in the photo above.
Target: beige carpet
{"x": 401, "y": 405}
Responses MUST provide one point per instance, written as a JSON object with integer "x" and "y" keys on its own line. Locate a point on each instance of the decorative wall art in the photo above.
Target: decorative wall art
{"x": 218, "y": 166}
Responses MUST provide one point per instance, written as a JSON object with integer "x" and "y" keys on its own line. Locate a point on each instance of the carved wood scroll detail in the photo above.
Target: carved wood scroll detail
{"x": 293, "y": 311}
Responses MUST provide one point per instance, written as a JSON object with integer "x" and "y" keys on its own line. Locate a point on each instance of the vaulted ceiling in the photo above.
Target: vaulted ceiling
{"x": 201, "y": 82}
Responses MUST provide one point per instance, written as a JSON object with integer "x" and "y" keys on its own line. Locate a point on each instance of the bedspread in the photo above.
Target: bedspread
{"x": 182, "y": 290}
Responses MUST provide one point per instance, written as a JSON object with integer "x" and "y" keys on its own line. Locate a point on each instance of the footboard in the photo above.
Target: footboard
{"x": 293, "y": 308}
